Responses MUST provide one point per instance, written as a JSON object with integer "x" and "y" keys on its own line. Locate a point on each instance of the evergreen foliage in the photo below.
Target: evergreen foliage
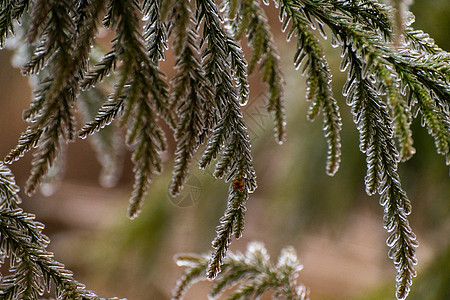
{"x": 32, "y": 270}
{"x": 394, "y": 73}
{"x": 252, "y": 273}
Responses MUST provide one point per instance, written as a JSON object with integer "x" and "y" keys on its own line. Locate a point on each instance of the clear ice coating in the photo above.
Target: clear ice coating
{"x": 289, "y": 35}
{"x": 285, "y": 24}
{"x": 299, "y": 57}
{"x": 349, "y": 87}
{"x": 335, "y": 41}
{"x": 322, "y": 30}
{"x": 409, "y": 18}
{"x": 344, "y": 64}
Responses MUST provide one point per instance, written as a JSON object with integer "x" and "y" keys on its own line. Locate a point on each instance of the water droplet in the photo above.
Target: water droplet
{"x": 48, "y": 189}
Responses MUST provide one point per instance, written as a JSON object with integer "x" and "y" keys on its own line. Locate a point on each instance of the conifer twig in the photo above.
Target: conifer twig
{"x": 33, "y": 269}
{"x": 251, "y": 273}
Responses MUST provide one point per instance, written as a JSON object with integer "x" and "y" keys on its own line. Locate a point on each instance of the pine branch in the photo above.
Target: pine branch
{"x": 252, "y": 20}
{"x": 365, "y": 51}
{"x": 374, "y": 123}
{"x": 139, "y": 93}
{"x": 251, "y": 273}
{"x": 421, "y": 41}
{"x": 436, "y": 120}
{"x": 374, "y": 16}
{"x": 236, "y": 166}
{"x": 108, "y": 143}
{"x": 319, "y": 78}
{"x": 48, "y": 149}
{"x": 426, "y": 77}
{"x": 111, "y": 108}
{"x": 190, "y": 92}
{"x": 230, "y": 223}
{"x": 154, "y": 31}
{"x": 50, "y": 114}
{"x": 102, "y": 69}
{"x": 196, "y": 265}
{"x": 390, "y": 78}
{"x": 223, "y": 62}
{"x": 10, "y": 10}
{"x": 8, "y": 189}
{"x": 32, "y": 268}
{"x": 181, "y": 27}
{"x": 401, "y": 119}
{"x": 430, "y": 71}
{"x": 28, "y": 140}
{"x": 145, "y": 135}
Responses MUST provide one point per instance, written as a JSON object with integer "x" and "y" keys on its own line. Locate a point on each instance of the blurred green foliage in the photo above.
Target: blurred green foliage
{"x": 433, "y": 17}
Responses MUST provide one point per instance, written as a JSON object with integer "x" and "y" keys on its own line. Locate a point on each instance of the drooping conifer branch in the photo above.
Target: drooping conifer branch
{"x": 250, "y": 19}
{"x": 190, "y": 95}
{"x": 315, "y": 66}
{"x": 154, "y": 30}
{"x": 223, "y": 62}
{"x": 388, "y": 84}
{"x": 141, "y": 93}
{"x": 32, "y": 270}
{"x": 373, "y": 121}
{"x": 51, "y": 115}
{"x": 10, "y": 11}
{"x": 371, "y": 115}
{"x": 107, "y": 143}
{"x": 369, "y": 59}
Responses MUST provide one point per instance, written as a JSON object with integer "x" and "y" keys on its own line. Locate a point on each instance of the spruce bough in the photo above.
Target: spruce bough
{"x": 394, "y": 74}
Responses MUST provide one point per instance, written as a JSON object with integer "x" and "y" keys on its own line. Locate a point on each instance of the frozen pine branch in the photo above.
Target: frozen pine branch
{"x": 252, "y": 274}
{"x": 190, "y": 93}
{"x": 154, "y": 30}
{"x": 51, "y": 113}
{"x": 108, "y": 143}
{"x": 11, "y": 11}
{"x": 140, "y": 93}
{"x": 32, "y": 270}
{"x": 251, "y": 19}
{"x": 394, "y": 75}
{"x": 229, "y": 142}
{"x": 318, "y": 90}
